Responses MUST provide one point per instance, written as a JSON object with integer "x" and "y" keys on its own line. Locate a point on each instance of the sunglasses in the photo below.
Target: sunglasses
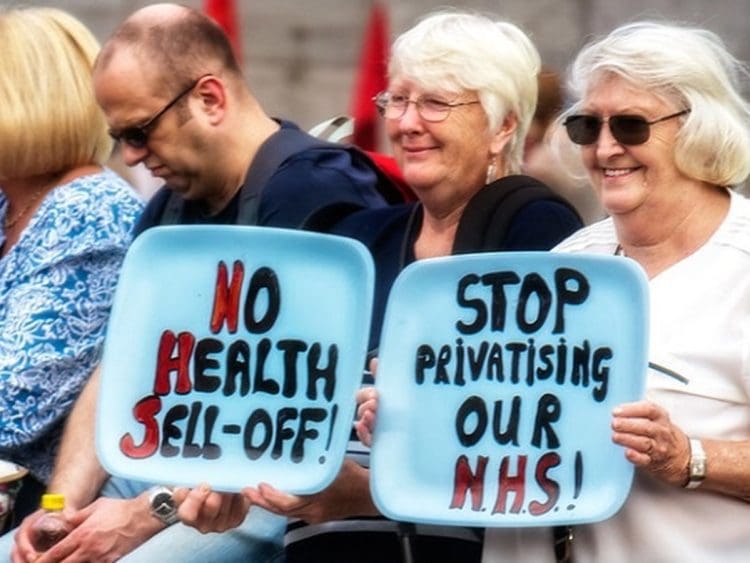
{"x": 626, "y": 129}
{"x": 137, "y": 136}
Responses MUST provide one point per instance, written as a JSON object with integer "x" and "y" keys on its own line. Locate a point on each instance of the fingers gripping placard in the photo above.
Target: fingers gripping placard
{"x": 233, "y": 356}
{"x": 497, "y": 377}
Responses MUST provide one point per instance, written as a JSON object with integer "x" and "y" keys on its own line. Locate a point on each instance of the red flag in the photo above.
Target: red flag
{"x": 224, "y": 12}
{"x": 371, "y": 78}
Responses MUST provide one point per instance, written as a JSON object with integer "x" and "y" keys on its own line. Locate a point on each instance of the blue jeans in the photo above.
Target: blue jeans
{"x": 259, "y": 539}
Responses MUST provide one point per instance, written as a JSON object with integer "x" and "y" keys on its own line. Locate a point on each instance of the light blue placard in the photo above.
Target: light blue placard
{"x": 272, "y": 358}
{"x": 497, "y": 378}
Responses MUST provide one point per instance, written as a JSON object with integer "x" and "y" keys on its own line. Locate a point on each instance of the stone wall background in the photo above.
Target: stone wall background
{"x": 300, "y": 55}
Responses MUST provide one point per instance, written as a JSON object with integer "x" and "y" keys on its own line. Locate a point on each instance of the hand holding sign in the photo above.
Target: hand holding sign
{"x": 233, "y": 355}
{"x": 497, "y": 378}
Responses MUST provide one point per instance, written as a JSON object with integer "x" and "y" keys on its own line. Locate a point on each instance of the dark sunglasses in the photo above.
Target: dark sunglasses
{"x": 137, "y": 136}
{"x": 626, "y": 129}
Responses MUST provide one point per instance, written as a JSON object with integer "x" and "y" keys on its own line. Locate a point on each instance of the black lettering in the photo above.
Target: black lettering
{"x": 476, "y": 304}
{"x": 263, "y": 279}
{"x": 566, "y": 296}
{"x": 205, "y": 383}
{"x": 425, "y": 360}
{"x": 548, "y": 411}
{"x": 533, "y": 284}
{"x": 473, "y": 405}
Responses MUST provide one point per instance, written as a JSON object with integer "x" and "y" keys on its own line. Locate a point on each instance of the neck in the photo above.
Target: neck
{"x": 660, "y": 238}
{"x": 245, "y": 137}
{"x": 437, "y": 234}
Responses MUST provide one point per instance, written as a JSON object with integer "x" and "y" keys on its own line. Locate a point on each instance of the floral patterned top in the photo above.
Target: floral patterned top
{"x": 56, "y": 288}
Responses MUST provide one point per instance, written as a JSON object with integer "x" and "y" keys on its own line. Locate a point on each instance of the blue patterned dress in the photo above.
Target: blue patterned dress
{"x": 56, "y": 289}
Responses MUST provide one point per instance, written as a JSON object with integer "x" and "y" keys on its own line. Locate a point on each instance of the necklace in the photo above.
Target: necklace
{"x": 9, "y": 222}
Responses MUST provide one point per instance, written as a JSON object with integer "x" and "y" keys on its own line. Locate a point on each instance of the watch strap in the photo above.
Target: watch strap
{"x": 696, "y": 465}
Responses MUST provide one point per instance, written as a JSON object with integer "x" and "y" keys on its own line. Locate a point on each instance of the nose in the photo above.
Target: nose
{"x": 132, "y": 155}
{"x": 606, "y": 145}
{"x": 411, "y": 120}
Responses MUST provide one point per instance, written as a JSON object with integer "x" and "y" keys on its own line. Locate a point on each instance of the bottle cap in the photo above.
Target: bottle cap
{"x": 53, "y": 502}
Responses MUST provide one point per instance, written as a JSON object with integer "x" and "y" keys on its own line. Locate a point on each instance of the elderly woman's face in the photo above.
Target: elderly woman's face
{"x": 449, "y": 159}
{"x": 626, "y": 177}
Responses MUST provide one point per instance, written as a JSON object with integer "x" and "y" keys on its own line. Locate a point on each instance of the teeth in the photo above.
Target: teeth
{"x": 618, "y": 171}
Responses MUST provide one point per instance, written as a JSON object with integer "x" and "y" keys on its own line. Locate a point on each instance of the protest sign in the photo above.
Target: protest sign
{"x": 233, "y": 356}
{"x": 497, "y": 377}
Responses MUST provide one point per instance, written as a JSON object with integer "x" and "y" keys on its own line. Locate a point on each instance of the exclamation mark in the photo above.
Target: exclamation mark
{"x": 578, "y": 474}
{"x": 334, "y": 412}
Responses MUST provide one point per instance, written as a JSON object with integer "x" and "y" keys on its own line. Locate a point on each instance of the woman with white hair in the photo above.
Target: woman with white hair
{"x": 664, "y": 135}
{"x": 461, "y": 95}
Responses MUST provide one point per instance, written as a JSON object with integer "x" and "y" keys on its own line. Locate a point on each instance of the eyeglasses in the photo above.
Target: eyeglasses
{"x": 393, "y": 106}
{"x": 626, "y": 129}
{"x": 137, "y": 136}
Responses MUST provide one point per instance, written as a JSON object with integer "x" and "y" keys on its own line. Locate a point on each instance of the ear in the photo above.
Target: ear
{"x": 212, "y": 92}
{"x": 504, "y": 134}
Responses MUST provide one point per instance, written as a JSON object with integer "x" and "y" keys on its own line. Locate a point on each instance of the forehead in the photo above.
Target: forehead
{"x": 405, "y": 84}
{"x": 612, "y": 92}
{"x": 124, "y": 90}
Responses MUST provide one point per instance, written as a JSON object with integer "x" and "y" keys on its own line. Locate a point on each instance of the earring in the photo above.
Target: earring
{"x": 491, "y": 170}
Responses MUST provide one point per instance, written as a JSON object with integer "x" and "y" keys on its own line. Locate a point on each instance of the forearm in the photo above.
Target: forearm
{"x": 728, "y": 467}
{"x": 78, "y": 474}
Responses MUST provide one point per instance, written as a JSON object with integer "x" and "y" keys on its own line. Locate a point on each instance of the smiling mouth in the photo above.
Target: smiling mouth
{"x": 618, "y": 172}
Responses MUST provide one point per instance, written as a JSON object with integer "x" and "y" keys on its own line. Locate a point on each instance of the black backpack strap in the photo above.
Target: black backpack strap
{"x": 283, "y": 144}
{"x": 485, "y": 221}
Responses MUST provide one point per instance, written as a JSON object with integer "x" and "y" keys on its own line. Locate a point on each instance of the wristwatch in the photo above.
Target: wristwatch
{"x": 697, "y": 465}
{"x": 162, "y": 505}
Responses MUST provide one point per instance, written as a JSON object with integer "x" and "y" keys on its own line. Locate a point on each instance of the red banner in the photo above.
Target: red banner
{"x": 224, "y": 12}
{"x": 371, "y": 78}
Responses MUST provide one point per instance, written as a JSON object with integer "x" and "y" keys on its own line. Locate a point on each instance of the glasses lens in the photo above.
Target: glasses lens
{"x": 583, "y": 129}
{"x": 134, "y": 137}
{"x": 395, "y": 106}
{"x": 629, "y": 129}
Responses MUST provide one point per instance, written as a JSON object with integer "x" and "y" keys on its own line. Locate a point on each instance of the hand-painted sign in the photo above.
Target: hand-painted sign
{"x": 497, "y": 377}
{"x": 233, "y": 355}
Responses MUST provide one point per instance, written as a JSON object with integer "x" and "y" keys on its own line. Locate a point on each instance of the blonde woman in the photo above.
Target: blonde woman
{"x": 65, "y": 223}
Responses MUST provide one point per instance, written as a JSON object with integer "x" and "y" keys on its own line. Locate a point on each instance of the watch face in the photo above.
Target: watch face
{"x": 163, "y": 503}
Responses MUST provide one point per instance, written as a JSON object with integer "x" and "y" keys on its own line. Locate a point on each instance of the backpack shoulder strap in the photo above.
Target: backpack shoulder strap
{"x": 272, "y": 153}
{"x": 488, "y": 215}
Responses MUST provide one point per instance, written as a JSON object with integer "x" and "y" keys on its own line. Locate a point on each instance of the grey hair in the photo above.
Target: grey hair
{"x": 454, "y": 51}
{"x": 691, "y": 68}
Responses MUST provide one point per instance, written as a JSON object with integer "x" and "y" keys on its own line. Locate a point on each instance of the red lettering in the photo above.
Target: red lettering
{"x": 552, "y": 488}
{"x": 507, "y": 484}
{"x": 167, "y": 362}
{"x": 227, "y": 297}
{"x": 144, "y": 412}
{"x": 465, "y": 479}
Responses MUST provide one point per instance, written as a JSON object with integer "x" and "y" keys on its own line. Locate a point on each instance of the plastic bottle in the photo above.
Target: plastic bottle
{"x": 52, "y": 526}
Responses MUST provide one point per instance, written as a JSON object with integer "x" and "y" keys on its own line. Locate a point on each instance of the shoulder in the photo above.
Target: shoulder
{"x": 152, "y": 214}
{"x": 370, "y": 226}
{"x": 599, "y": 237}
{"x": 98, "y": 207}
{"x": 735, "y": 230}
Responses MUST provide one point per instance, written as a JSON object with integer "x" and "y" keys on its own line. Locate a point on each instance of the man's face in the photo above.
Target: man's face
{"x": 155, "y": 127}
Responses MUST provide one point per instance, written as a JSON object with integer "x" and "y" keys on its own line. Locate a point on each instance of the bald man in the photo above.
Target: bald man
{"x": 175, "y": 99}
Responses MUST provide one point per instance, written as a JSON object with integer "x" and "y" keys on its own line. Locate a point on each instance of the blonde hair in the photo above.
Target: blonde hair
{"x": 454, "y": 51}
{"x": 692, "y": 68}
{"x": 50, "y": 121}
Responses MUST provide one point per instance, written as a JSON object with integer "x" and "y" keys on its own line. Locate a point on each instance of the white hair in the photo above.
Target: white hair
{"x": 455, "y": 51}
{"x": 691, "y": 68}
